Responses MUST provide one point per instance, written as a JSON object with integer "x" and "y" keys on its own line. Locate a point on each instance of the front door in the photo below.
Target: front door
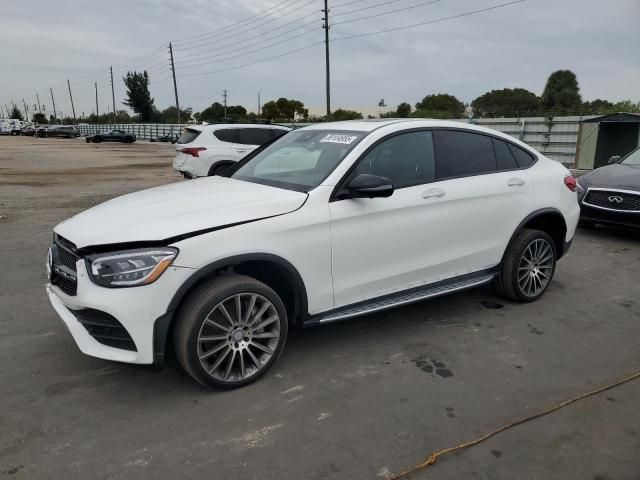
{"x": 384, "y": 245}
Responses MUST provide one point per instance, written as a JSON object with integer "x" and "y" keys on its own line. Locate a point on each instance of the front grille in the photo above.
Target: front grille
{"x": 613, "y": 200}
{"x": 105, "y": 329}
{"x": 66, "y": 259}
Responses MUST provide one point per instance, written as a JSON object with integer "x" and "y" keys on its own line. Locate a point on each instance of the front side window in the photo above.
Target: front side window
{"x": 633, "y": 158}
{"x": 406, "y": 159}
{"x": 463, "y": 153}
{"x": 299, "y": 160}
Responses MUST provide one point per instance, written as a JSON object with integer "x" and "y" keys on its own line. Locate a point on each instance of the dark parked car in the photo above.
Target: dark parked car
{"x": 112, "y": 136}
{"x": 65, "y": 131}
{"x": 45, "y": 130}
{"x": 30, "y": 131}
{"x": 610, "y": 195}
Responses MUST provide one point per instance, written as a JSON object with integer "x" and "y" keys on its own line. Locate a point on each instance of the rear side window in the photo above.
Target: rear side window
{"x": 523, "y": 158}
{"x": 229, "y": 135}
{"x": 276, "y": 132}
{"x": 504, "y": 157}
{"x": 254, "y": 136}
{"x": 188, "y": 136}
{"x": 462, "y": 153}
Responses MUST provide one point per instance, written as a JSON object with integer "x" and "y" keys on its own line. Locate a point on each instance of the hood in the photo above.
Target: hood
{"x": 617, "y": 175}
{"x": 177, "y": 209}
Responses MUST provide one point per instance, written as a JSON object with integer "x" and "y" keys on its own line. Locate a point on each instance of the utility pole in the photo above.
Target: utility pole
{"x": 26, "y": 111}
{"x": 73, "y": 109}
{"x": 259, "y": 104}
{"x": 326, "y": 48}
{"x": 39, "y": 109}
{"x": 175, "y": 85}
{"x": 97, "y": 113}
{"x": 224, "y": 97}
{"x": 55, "y": 115}
{"x": 113, "y": 96}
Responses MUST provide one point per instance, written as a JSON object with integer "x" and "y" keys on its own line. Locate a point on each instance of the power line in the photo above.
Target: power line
{"x": 180, "y": 40}
{"x": 250, "y": 52}
{"x": 253, "y": 27}
{"x": 244, "y": 28}
{"x": 385, "y": 13}
{"x": 465, "y": 14}
{"x": 367, "y": 7}
{"x": 261, "y": 34}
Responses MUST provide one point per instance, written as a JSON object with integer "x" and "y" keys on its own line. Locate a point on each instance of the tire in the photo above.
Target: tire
{"x": 528, "y": 266}
{"x": 128, "y": 140}
{"x": 97, "y": 139}
{"x": 233, "y": 361}
{"x": 218, "y": 168}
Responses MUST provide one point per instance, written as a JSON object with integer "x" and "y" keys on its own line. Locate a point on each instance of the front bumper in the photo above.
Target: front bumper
{"x": 135, "y": 309}
{"x": 607, "y": 217}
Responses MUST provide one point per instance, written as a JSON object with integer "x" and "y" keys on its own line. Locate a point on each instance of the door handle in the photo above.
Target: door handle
{"x": 515, "y": 182}
{"x": 433, "y": 192}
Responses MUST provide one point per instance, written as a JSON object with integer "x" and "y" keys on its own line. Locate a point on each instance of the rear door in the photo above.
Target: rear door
{"x": 487, "y": 193}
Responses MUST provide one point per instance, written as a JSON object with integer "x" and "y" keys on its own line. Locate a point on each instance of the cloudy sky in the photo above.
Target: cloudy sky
{"x": 44, "y": 43}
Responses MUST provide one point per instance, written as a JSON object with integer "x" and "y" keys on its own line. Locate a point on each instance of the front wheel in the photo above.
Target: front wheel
{"x": 97, "y": 139}
{"x": 528, "y": 266}
{"x": 230, "y": 332}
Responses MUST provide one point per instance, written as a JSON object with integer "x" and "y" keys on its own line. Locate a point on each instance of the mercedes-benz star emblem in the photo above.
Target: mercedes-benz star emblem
{"x": 615, "y": 199}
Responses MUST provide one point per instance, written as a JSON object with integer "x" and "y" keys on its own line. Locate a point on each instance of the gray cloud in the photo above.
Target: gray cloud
{"x": 44, "y": 43}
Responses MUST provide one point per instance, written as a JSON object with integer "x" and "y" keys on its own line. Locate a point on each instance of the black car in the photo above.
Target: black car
{"x": 610, "y": 195}
{"x": 112, "y": 136}
{"x": 64, "y": 131}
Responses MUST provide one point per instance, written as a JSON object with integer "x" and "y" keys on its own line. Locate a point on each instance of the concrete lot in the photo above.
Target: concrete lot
{"x": 359, "y": 399}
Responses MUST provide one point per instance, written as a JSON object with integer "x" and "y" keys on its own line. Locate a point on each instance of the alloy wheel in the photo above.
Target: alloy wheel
{"x": 238, "y": 337}
{"x": 535, "y": 267}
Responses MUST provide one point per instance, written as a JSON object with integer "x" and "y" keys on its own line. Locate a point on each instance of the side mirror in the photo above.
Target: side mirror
{"x": 614, "y": 159}
{"x": 370, "y": 186}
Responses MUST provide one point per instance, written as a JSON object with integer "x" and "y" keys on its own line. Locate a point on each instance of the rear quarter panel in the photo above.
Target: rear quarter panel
{"x": 551, "y": 192}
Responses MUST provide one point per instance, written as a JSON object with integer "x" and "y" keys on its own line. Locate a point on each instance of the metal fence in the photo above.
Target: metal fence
{"x": 143, "y": 131}
{"x": 555, "y": 137}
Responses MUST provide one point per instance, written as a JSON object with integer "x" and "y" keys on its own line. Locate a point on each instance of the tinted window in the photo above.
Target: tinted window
{"x": 227, "y": 135}
{"x": 504, "y": 157}
{"x": 253, "y": 136}
{"x": 463, "y": 153}
{"x": 188, "y": 136}
{"x": 405, "y": 159}
{"x": 276, "y": 132}
{"x": 523, "y": 158}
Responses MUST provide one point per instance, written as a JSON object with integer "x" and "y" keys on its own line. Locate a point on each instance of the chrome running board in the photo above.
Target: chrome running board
{"x": 403, "y": 298}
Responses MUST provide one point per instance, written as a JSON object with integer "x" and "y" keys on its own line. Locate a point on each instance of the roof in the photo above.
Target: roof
{"x": 220, "y": 126}
{"x": 620, "y": 117}
{"x": 360, "y": 125}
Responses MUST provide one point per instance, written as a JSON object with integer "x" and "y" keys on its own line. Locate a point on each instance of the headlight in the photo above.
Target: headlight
{"x": 130, "y": 268}
{"x": 582, "y": 185}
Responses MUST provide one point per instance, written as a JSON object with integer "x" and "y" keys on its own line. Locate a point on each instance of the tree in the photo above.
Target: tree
{"x": 341, "y": 114}
{"x": 444, "y": 104}
{"x": 170, "y": 115}
{"x": 16, "y": 114}
{"x": 215, "y": 113}
{"x": 562, "y": 93}
{"x": 284, "y": 109}
{"x": 403, "y": 110}
{"x": 627, "y": 106}
{"x": 138, "y": 95}
{"x": 508, "y": 102}
{"x": 39, "y": 118}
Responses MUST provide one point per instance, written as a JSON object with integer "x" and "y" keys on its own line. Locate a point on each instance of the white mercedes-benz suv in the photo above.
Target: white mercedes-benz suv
{"x": 324, "y": 223}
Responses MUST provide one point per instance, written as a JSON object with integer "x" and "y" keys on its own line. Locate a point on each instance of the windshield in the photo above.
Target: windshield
{"x": 633, "y": 158}
{"x": 299, "y": 160}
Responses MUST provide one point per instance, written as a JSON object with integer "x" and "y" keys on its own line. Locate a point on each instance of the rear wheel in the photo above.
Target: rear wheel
{"x": 528, "y": 266}
{"x": 128, "y": 140}
{"x": 219, "y": 168}
{"x": 230, "y": 331}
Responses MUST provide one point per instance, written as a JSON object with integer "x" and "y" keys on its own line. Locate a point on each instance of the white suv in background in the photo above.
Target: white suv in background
{"x": 327, "y": 222}
{"x": 204, "y": 150}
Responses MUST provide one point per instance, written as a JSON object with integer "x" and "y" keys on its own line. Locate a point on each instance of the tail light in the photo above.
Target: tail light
{"x": 193, "y": 151}
{"x": 571, "y": 183}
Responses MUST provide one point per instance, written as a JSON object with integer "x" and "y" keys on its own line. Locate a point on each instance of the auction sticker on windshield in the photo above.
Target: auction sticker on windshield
{"x": 335, "y": 138}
